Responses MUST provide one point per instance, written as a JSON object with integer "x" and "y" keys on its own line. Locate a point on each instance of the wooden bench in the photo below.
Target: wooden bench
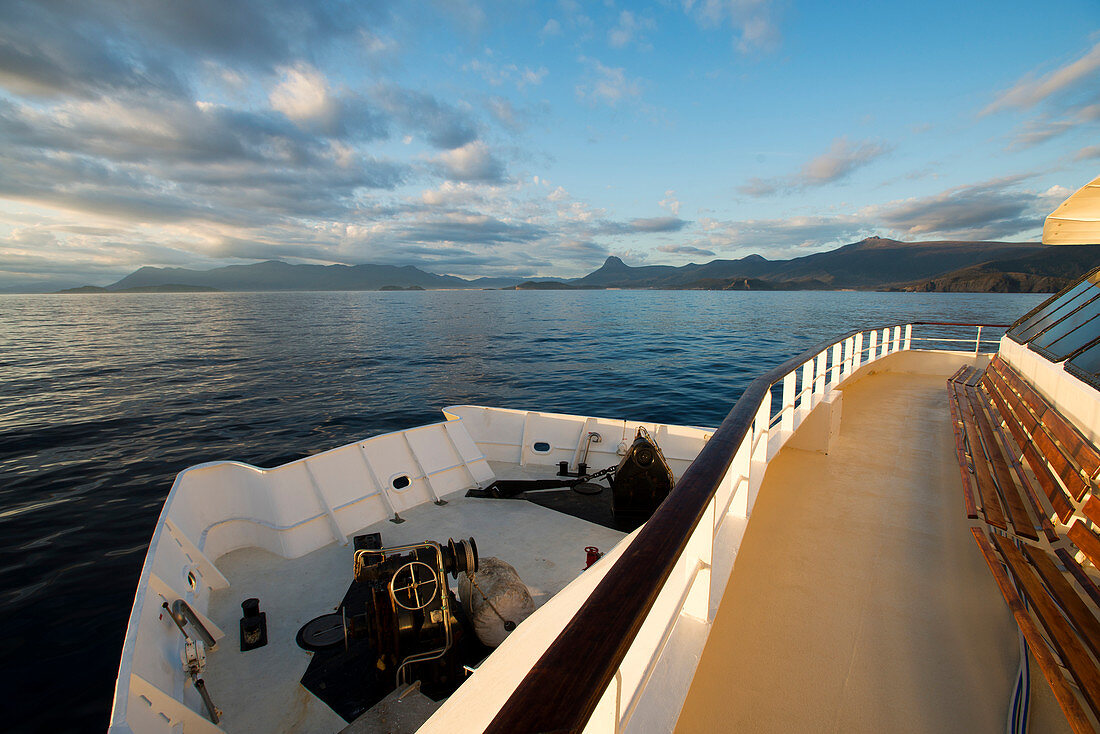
{"x": 1029, "y": 475}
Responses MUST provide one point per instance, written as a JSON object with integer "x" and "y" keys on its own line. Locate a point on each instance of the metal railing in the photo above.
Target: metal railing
{"x": 677, "y": 566}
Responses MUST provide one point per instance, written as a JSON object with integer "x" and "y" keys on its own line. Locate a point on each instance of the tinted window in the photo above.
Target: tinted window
{"x": 1080, "y": 324}
{"x": 1050, "y": 316}
{"x": 1044, "y": 309}
{"x": 1075, "y": 340}
{"x": 1087, "y": 364}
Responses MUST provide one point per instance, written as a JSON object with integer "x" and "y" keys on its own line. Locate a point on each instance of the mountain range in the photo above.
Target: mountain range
{"x": 872, "y": 263}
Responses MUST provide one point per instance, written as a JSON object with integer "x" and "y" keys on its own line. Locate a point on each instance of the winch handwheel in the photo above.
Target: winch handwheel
{"x": 411, "y": 584}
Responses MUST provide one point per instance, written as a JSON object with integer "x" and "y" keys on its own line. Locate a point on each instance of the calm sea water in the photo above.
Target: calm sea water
{"x": 103, "y": 399}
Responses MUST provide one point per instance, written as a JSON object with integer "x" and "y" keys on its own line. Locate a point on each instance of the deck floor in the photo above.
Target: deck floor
{"x": 859, "y": 601}
{"x": 259, "y": 690}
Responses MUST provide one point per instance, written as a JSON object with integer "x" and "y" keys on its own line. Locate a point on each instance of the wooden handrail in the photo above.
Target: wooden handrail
{"x": 564, "y": 686}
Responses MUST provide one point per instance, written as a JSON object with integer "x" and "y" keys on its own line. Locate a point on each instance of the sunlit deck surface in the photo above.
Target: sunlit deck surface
{"x": 259, "y": 690}
{"x": 859, "y": 601}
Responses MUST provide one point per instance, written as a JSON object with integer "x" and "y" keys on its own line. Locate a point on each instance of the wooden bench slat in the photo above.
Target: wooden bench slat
{"x": 1050, "y": 425}
{"x": 1086, "y": 540}
{"x": 959, "y": 371}
{"x": 1052, "y": 671}
{"x": 991, "y": 505}
{"x": 1037, "y": 507}
{"x": 1083, "y": 579}
{"x": 1088, "y": 628}
{"x": 1091, "y": 509}
{"x": 1073, "y": 442}
{"x": 1006, "y": 487}
{"x": 960, "y": 453}
{"x": 1061, "y": 634}
{"x": 1059, "y": 498}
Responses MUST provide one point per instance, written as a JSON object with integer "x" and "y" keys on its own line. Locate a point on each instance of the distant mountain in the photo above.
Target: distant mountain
{"x": 870, "y": 263}
{"x": 279, "y": 276}
{"x": 167, "y": 288}
{"x": 1046, "y": 271}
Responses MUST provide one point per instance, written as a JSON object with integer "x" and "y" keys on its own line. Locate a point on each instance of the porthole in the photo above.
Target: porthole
{"x": 192, "y": 582}
{"x": 541, "y": 447}
{"x": 400, "y": 481}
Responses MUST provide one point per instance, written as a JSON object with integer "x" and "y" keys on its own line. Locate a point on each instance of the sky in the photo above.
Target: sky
{"x": 516, "y": 138}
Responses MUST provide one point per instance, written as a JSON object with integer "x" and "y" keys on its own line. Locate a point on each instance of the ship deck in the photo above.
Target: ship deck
{"x": 259, "y": 689}
{"x": 859, "y": 601}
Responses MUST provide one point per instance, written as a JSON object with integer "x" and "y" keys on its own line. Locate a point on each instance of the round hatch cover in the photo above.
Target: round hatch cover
{"x": 588, "y": 488}
{"x": 321, "y": 633}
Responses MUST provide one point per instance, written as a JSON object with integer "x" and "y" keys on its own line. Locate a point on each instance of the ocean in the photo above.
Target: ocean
{"x": 104, "y": 398}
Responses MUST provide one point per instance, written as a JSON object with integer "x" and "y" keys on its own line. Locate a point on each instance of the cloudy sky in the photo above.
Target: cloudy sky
{"x": 475, "y": 137}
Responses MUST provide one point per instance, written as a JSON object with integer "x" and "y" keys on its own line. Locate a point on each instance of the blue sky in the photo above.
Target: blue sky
{"x": 528, "y": 138}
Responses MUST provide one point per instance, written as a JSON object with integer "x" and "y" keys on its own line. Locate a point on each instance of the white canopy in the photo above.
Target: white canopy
{"x": 1077, "y": 220}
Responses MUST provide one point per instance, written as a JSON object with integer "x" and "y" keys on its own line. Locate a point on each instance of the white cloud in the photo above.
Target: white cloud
{"x": 552, "y": 28}
{"x": 841, "y": 159}
{"x": 302, "y": 94}
{"x": 752, "y": 23}
{"x": 471, "y": 162}
{"x": 1031, "y": 90}
{"x": 507, "y": 73}
{"x": 670, "y": 203}
{"x": 606, "y": 85}
{"x": 629, "y": 28}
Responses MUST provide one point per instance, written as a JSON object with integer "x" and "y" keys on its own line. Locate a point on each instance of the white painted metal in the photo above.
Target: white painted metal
{"x": 293, "y": 510}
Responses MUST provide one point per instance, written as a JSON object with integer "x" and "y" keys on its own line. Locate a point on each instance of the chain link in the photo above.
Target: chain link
{"x": 603, "y": 472}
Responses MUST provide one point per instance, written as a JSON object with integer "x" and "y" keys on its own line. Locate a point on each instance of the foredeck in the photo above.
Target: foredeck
{"x": 859, "y": 601}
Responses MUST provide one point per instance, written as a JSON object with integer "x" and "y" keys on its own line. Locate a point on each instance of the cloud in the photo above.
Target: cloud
{"x": 1068, "y": 96}
{"x": 443, "y": 125}
{"x": 471, "y": 162}
{"x": 657, "y": 224}
{"x": 670, "y": 203}
{"x": 990, "y": 210}
{"x": 1047, "y": 126}
{"x": 552, "y": 28}
{"x": 50, "y": 49}
{"x": 840, "y": 161}
{"x": 302, "y": 94}
{"x": 685, "y": 250}
{"x": 505, "y": 113}
{"x": 606, "y": 85}
{"x": 752, "y": 23}
{"x": 508, "y": 73}
{"x": 1030, "y": 90}
{"x": 629, "y": 29}
{"x": 1088, "y": 153}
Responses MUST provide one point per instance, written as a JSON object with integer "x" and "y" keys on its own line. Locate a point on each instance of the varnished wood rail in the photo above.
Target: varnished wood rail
{"x": 564, "y": 687}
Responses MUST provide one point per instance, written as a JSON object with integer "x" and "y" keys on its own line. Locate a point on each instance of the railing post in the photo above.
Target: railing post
{"x": 819, "y": 373}
{"x": 978, "y": 342}
{"x": 884, "y": 347}
{"x": 834, "y": 376}
{"x": 897, "y": 338}
{"x": 786, "y": 422}
{"x": 872, "y": 348}
{"x": 908, "y": 337}
{"x": 805, "y": 401}
{"x": 857, "y": 352}
{"x": 758, "y": 464}
{"x": 847, "y": 369}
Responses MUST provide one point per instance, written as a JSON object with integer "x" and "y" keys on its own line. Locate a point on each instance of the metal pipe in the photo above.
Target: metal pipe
{"x": 182, "y": 613}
